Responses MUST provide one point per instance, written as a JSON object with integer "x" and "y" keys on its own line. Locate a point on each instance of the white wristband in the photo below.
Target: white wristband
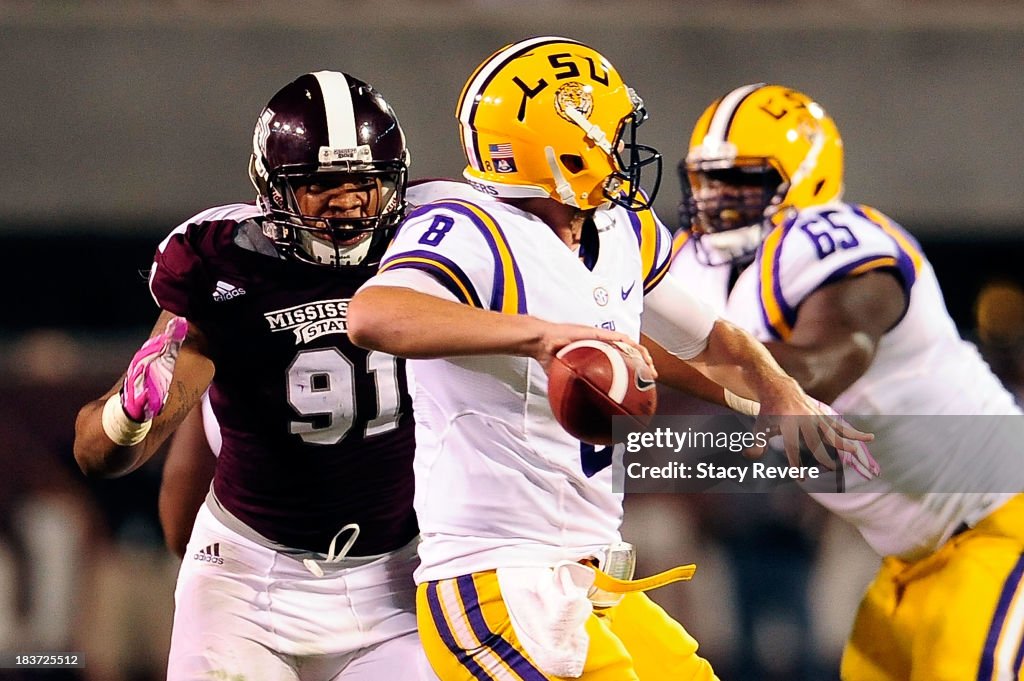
{"x": 741, "y": 404}
{"x": 119, "y": 428}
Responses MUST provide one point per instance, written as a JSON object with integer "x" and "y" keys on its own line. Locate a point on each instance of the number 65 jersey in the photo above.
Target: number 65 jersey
{"x": 316, "y": 432}
{"x": 922, "y": 367}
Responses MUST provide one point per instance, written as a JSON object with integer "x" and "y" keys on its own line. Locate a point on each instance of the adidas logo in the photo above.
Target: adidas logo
{"x": 225, "y": 291}
{"x": 210, "y": 554}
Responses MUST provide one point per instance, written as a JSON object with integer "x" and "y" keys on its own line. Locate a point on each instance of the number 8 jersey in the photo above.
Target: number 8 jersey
{"x": 498, "y": 481}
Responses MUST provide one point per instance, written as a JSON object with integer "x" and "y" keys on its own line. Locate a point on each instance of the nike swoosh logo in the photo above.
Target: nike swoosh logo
{"x": 627, "y": 291}
{"x": 643, "y": 383}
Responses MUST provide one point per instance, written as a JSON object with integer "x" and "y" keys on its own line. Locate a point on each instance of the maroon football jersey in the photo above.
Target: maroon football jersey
{"x": 317, "y": 433}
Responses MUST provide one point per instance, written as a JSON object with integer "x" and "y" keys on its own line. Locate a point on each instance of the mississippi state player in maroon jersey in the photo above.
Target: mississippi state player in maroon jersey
{"x": 187, "y": 473}
{"x": 299, "y": 565}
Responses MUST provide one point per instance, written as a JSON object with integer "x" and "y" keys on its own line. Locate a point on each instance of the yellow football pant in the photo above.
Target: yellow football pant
{"x": 474, "y": 641}
{"x": 957, "y": 614}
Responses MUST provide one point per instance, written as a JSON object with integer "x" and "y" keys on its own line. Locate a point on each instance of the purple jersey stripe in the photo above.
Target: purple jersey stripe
{"x": 501, "y": 647}
{"x": 411, "y": 215}
{"x": 415, "y": 213}
{"x": 634, "y": 221}
{"x": 787, "y": 313}
{"x": 657, "y": 271}
{"x": 450, "y": 275}
{"x": 656, "y": 275}
{"x": 987, "y": 664}
{"x": 437, "y": 615}
{"x": 477, "y": 215}
{"x": 868, "y": 263}
{"x": 904, "y": 260}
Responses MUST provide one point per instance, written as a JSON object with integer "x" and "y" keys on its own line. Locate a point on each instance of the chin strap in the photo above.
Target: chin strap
{"x": 565, "y": 192}
{"x": 809, "y": 162}
{"x": 593, "y": 131}
{"x": 596, "y": 135}
{"x": 733, "y": 245}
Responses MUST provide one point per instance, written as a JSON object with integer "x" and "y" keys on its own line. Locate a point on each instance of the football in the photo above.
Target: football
{"x": 591, "y": 381}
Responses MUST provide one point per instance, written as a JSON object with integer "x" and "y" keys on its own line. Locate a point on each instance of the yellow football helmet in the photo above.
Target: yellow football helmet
{"x": 550, "y": 117}
{"x": 757, "y": 155}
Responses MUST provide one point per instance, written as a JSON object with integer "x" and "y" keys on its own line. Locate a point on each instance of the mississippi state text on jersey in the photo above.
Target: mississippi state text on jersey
{"x": 316, "y": 433}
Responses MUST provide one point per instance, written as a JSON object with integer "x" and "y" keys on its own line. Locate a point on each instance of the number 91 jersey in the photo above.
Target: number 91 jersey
{"x": 316, "y": 432}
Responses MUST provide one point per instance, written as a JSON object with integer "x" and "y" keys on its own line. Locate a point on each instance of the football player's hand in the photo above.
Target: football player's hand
{"x": 850, "y": 445}
{"x": 148, "y": 379}
{"x": 557, "y": 336}
{"x": 798, "y": 417}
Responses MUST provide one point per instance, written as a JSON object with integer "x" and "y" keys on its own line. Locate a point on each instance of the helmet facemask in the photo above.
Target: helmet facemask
{"x": 729, "y": 206}
{"x": 624, "y": 187}
{"x": 757, "y": 156}
{"x": 335, "y": 240}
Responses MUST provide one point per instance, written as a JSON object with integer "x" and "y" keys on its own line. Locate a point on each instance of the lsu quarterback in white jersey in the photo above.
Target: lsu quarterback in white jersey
{"x": 849, "y": 305}
{"x": 484, "y": 412}
{"x": 561, "y": 245}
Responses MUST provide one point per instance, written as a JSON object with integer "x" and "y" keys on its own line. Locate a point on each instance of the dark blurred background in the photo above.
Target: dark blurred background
{"x": 121, "y": 119}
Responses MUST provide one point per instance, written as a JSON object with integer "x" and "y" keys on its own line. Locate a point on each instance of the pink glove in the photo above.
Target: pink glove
{"x": 148, "y": 381}
{"x": 852, "y": 453}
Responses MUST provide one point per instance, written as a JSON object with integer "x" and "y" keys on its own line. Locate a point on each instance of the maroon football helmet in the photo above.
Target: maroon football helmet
{"x": 316, "y": 130}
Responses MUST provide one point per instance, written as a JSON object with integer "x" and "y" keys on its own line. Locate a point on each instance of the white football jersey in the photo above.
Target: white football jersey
{"x": 922, "y": 367}
{"x": 498, "y": 481}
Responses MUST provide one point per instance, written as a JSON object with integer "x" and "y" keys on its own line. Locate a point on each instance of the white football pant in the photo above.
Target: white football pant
{"x": 245, "y": 611}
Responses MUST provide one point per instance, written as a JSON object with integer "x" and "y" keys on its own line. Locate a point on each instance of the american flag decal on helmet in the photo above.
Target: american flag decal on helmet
{"x": 501, "y": 155}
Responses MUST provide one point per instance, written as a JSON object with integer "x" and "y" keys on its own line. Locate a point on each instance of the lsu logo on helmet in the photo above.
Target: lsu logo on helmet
{"x": 550, "y": 117}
